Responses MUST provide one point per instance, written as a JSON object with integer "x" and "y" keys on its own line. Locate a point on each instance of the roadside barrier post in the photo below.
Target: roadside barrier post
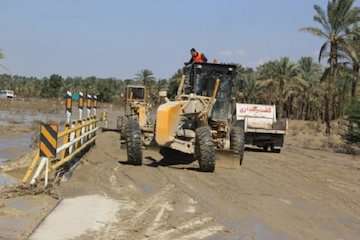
{"x": 78, "y": 134}
{"x": 31, "y": 167}
{"x": 47, "y": 149}
{"x": 91, "y": 102}
{"x": 66, "y": 140}
{"x": 88, "y": 105}
{"x": 94, "y": 104}
{"x": 81, "y": 105}
{"x": 72, "y": 137}
{"x": 68, "y": 106}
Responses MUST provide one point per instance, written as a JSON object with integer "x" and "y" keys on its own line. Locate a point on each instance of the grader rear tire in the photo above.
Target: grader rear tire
{"x": 133, "y": 142}
{"x": 205, "y": 149}
{"x": 237, "y": 142}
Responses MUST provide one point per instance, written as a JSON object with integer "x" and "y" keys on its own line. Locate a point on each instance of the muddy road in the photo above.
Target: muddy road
{"x": 298, "y": 194}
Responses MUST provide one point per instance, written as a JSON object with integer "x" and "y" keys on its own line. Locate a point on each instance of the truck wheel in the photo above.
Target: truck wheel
{"x": 205, "y": 149}
{"x": 237, "y": 141}
{"x": 275, "y": 150}
{"x": 133, "y": 142}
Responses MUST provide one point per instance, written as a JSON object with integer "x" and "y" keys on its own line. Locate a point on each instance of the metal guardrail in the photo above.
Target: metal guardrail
{"x": 56, "y": 148}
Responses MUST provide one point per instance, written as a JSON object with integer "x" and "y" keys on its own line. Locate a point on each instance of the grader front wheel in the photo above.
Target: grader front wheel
{"x": 205, "y": 149}
{"x": 133, "y": 142}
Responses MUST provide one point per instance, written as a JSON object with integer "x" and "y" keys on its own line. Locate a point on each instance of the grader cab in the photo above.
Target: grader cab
{"x": 199, "y": 121}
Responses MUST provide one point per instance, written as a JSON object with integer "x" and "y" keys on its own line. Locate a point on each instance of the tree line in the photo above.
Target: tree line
{"x": 296, "y": 87}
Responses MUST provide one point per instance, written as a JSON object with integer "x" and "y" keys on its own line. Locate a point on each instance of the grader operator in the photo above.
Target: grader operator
{"x": 199, "y": 121}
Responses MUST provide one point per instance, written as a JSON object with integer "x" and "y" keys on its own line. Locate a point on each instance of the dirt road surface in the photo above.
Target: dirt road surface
{"x": 298, "y": 194}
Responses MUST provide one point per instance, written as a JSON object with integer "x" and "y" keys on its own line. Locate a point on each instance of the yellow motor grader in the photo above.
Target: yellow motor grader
{"x": 138, "y": 109}
{"x": 199, "y": 121}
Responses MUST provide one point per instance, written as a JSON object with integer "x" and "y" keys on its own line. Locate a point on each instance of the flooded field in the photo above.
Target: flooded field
{"x": 17, "y": 129}
{"x": 13, "y": 147}
{"x": 28, "y": 117}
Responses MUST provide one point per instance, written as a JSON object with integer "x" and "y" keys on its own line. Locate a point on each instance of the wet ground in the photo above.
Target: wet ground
{"x": 6, "y": 179}
{"x": 20, "y": 216}
{"x": 16, "y": 133}
{"x": 12, "y": 147}
{"x": 298, "y": 194}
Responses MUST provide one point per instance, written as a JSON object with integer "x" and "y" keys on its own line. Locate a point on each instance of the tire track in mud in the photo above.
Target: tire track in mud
{"x": 228, "y": 188}
{"x": 167, "y": 202}
{"x": 161, "y": 214}
{"x": 313, "y": 175}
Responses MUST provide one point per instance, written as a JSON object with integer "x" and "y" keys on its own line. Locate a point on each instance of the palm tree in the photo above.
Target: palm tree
{"x": 281, "y": 79}
{"x": 310, "y": 73}
{"x": 146, "y": 77}
{"x": 353, "y": 54}
{"x": 335, "y": 27}
{"x": 250, "y": 88}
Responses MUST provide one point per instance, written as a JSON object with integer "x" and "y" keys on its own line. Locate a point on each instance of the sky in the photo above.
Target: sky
{"x": 114, "y": 38}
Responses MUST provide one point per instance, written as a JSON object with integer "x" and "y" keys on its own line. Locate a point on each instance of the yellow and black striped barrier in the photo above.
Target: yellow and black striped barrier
{"x": 48, "y": 140}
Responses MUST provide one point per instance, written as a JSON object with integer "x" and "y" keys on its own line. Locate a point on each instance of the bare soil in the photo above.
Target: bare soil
{"x": 298, "y": 194}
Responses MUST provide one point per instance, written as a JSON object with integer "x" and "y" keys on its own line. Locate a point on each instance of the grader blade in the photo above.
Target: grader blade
{"x": 228, "y": 160}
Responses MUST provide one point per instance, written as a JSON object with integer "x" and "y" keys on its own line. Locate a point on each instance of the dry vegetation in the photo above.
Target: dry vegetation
{"x": 311, "y": 135}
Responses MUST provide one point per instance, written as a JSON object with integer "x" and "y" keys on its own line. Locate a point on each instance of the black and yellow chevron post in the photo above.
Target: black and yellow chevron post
{"x": 48, "y": 140}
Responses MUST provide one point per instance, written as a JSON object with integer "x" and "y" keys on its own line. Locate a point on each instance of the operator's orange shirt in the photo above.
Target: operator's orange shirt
{"x": 198, "y": 58}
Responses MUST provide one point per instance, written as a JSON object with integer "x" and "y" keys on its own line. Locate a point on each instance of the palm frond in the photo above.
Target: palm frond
{"x": 321, "y": 18}
{"x": 315, "y": 31}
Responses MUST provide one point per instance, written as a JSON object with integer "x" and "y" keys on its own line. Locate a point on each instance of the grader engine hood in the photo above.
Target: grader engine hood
{"x": 167, "y": 120}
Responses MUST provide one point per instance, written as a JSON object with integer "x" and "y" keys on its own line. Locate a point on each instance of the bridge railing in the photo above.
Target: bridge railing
{"x": 58, "y": 145}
